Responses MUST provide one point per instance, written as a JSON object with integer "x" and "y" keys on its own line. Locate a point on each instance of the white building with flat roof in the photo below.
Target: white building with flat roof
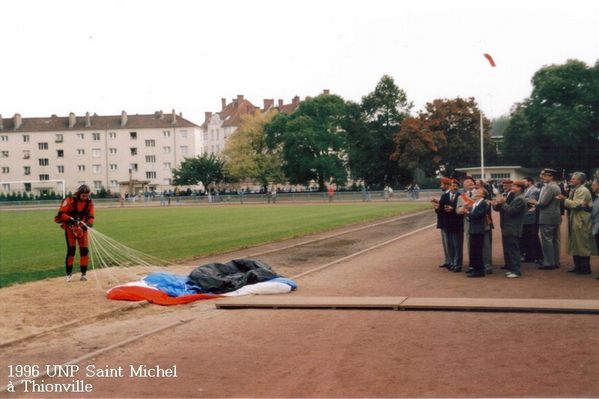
{"x": 104, "y": 152}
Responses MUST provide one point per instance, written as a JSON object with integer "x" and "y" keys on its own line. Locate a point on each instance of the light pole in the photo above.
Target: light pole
{"x": 482, "y": 142}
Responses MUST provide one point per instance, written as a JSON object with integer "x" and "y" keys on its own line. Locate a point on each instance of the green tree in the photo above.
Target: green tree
{"x": 558, "y": 124}
{"x": 205, "y": 169}
{"x": 418, "y": 146}
{"x": 311, "y": 141}
{"x": 248, "y": 157}
{"x": 371, "y": 133}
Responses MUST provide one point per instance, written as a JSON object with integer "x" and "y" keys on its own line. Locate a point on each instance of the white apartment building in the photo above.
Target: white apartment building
{"x": 121, "y": 153}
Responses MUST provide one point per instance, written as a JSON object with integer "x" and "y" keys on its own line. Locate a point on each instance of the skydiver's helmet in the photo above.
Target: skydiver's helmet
{"x": 83, "y": 189}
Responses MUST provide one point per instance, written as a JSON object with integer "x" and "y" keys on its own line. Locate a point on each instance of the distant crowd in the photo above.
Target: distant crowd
{"x": 530, "y": 215}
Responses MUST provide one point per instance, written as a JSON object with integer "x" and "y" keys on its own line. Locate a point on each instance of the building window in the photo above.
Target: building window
{"x": 4, "y": 154}
{"x": 81, "y": 168}
{"x": 167, "y": 165}
{"x": 96, "y": 136}
{"x": 476, "y": 176}
{"x": 205, "y": 135}
{"x": 112, "y": 135}
{"x": 80, "y": 151}
{"x": 183, "y": 150}
{"x": 96, "y": 152}
{"x": 501, "y": 175}
{"x": 60, "y": 168}
{"x": 25, "y": 138}
{"x": 184, "y": 134}
{"x": 27, "y": 170}
{"x": 96, "y": 168}
{"x": 150, "y": 158}
{"x": 133, "y": 167}
{"x": 42, "y": 146}
{"x": 114, "y": 183}
{"x": 150, "y": 143}
{"x": 43, "y": 161}
{"x": 3, "y": 138}
{"x": 150, "y": 175}
{"x": 26, "y": 154}
{"x": 112, "y": 151}
{"x": 59, "y": 138}
{"x": 133, "y": 150}
{"x": 217, "y": 134}
{"x": 166, "y": 133}
{"x": 205, "y": 150}
{"x": 5, "y": 169}
{"x": 113, "y": 166}
{"x": 5, "y": 187}
{"x": 60, "y": 153}
{"x": 133, "y": 135}
{"x": 80, "y": 136}
{"x": 166, "y": 150}
{"x": 97, "y": 184}
{"x": 27, "y": 187}
{"x": 44, "y": 177}
{"x": 166, "y": 182}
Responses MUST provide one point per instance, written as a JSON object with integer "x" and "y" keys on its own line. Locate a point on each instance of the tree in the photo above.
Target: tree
{"x": 447, "y": 136}
{"x": 311, "y": 141}
{"x": 205, "y": 169}
{"x": 370, "y": 133}
{"x": 558, "y": 124}
{"x": 248, "y": 157}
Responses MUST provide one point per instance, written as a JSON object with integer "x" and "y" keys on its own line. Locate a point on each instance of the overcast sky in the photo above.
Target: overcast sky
{"x": 105, "y": 56}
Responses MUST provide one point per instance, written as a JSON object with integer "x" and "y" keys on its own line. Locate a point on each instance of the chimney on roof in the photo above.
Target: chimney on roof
{"x": 280, "y": 103}
{"x": 88, "y": 121}
{"x": 326, "y": 92}
{"x": 17, "y": 121}
{"x": 123, "y": 118}
{"x": 207, "y": 115}
{"x": 239, "y": 98}
{"x": 174, "y": 121}
{"x": 223, "y": 102}
{"x": 295, "y": 100}
{"x": 1, "y": 123}
{"x": 72, "y": 119}
{"x": 268, "y": 103}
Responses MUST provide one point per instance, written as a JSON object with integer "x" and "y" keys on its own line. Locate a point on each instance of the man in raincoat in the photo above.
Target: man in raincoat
{"x": 580, "y": 234}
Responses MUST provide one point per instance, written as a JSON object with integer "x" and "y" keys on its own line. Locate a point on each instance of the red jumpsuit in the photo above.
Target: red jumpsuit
{"x": 71, "y": 210}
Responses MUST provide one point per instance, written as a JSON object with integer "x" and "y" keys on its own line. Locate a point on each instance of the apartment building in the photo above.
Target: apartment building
{"x": 121, "y": 153}
{"x": 219, "y": 126}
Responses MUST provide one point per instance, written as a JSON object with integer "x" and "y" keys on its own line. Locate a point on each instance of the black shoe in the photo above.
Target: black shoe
{"x": 457, "y": 269}
{"x": 475, "y": 274}
{"x": 445, "y": 266}
{"x": 547, "y": 267}
{"x": 489, "y": 271}
{"x": 469, "y": 270}
{"x": 505, "y": 267}
{"x": 583, "y": 271}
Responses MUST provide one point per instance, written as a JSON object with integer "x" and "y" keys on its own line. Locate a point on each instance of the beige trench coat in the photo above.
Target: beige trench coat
{"x": 580, "y": 234}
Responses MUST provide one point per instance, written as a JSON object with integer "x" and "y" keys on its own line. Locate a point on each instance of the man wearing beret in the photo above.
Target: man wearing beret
{"x": 512, "y": 215}
{"x": 549, "y": 219}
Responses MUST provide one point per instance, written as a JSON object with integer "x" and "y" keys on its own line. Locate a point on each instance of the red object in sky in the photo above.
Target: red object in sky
{"x": 490, "y": 59}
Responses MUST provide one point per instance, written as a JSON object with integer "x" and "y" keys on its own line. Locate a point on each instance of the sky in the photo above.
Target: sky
{"x": 105, "y": 56}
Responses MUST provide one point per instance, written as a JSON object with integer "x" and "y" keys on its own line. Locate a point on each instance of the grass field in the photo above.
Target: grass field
{"x": 32, "y": 246}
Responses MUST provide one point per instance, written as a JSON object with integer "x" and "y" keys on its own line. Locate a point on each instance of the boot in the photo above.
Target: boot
{"x": 585, "y": 264}
{"x": 576, "y": 268}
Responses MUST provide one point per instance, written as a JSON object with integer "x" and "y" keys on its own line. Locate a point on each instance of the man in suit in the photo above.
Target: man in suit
{"x": 508, "y": 196}
{"x": 581, "y": 244}
{"x": 549, "y": 219}
{"x": 454, "y": 226}
{"x": 530, "y": 246}
{"x": 445, "y": 181}
{"x": 465, "y": 200}
{"x": 477, "y": 214}
{"x": 512, "y": 215}
{"x": 595, "y": 213}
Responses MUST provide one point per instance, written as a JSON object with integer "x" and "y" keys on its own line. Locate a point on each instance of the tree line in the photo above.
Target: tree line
{"x": 379, "y": 141}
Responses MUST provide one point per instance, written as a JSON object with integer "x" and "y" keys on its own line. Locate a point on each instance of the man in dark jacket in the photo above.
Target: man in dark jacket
{"x": 445, "y": 181}
{"x": 477, "y": 214}
{"x": 454, "y": 226}
{"x": 512, "y": 215}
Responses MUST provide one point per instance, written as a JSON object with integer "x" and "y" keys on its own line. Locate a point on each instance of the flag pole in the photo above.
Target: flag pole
{"x": 482, "y": 148}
